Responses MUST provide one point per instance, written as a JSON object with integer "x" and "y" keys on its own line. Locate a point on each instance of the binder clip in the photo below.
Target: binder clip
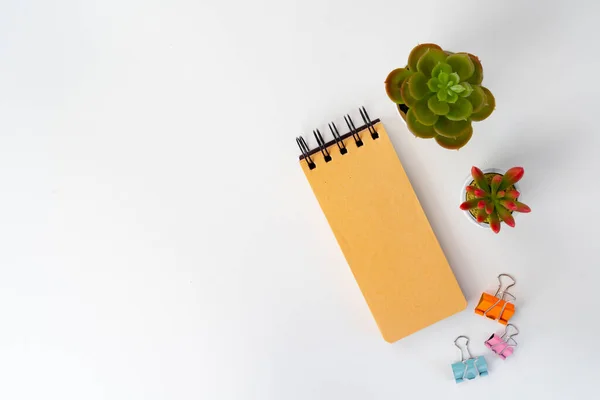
{"x": 503, "y": 345}
{"x": 499, "y": 306}
{"x": 468, "y": 368}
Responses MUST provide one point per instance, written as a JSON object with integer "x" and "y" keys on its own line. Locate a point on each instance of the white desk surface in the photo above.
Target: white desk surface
{"x": 158, "y": 239}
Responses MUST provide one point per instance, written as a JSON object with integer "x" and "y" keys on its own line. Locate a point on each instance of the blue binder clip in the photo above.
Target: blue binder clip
{"x": 469, "y": 367}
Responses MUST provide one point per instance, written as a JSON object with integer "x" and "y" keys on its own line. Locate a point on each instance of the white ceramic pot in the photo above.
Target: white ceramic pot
{"x": 463, "y": 194}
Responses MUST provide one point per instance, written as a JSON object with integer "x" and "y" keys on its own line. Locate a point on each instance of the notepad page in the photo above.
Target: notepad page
{"x": 385, "y": 236}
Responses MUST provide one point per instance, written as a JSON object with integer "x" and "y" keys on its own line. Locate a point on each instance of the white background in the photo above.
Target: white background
{"x": 158, "y": 239}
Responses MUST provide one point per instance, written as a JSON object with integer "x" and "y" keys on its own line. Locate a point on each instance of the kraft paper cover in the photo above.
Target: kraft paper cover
{"x": 385, "y": 236}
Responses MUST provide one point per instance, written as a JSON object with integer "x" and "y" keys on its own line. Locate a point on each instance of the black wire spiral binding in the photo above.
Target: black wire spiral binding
{"x": 353, "y": 130}
{"x": 321, "y": 143}
{"x": 337, "y": 138}
{"x": 304, "y": 149}
{"x": 365, "y": 117}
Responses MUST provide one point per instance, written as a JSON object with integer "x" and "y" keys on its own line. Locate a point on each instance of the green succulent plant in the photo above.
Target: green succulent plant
{"x": 441, "y": 93}
{"x": 492, "y": 198}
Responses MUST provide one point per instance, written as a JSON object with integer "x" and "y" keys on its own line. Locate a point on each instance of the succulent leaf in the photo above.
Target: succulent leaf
{"x": 480, "y": 192}
{"x": 451, "y": 129}
{"x": 417, "y": 85}
{"x": 477, "y": 98}
{"x": 461, "y": 110}
{"x": 488, "y": 107}
{"x": 441, "y": 67}
{"x": 457, "y": 88}
{"x": 469, "y": 204}
{"x": 443, "y": 77}
{"x": 455, "y": 143}
{"x": 481, "y": 216}
{"x": 442, "y": 95}
{"x": 505, "y": 216}
{"x": 494, "y": 222}
{"x": 521, "y": 207}
{"x": 452, "y": 97}
{"x": 480, "y": 179}
{"x": 496, "y": 180}
{"x": 477, "y": 76}
{"x": 429, "y": 60}
{"x": 438, "y": 107}
{"x": 417, "y": 52}
{"x": 511, "y": 177}
{"x": 510, "y": 204}
{"x": 409, "y": 100}
{"x": 417, "y": 128}
{"x": 512, "y": 194}
{"x": 423, "y": 114}
{"x": 468, "y": 89}
{"x": 453, "y": 79}
{"x": 462, "y": 65}
{"x": 393, "y": 83}
{"x": 433, "y": 84}
{"x": 489, "y": 207}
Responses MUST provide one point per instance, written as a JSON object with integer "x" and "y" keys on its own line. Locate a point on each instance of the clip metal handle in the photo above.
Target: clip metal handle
{"x": 463, "y": 349}
{"x": 504, "y": 292}
{"x": 506, "y": 336}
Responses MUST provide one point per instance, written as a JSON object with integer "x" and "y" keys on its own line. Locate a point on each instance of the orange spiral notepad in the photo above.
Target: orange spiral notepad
{"x": 381, "y": 228}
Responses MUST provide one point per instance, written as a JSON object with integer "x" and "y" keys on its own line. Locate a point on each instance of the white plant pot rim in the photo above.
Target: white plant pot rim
{"x": 463, "y": 194}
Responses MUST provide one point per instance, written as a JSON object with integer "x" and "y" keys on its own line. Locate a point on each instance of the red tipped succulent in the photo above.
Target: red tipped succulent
{"x": 492, "y": 198}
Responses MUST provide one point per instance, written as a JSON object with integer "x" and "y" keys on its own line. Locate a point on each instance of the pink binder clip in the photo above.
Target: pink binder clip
{"x": 503, "y": 345}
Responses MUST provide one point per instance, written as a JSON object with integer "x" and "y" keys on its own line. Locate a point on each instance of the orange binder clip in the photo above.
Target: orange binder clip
{"x": 499, "y": 306}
